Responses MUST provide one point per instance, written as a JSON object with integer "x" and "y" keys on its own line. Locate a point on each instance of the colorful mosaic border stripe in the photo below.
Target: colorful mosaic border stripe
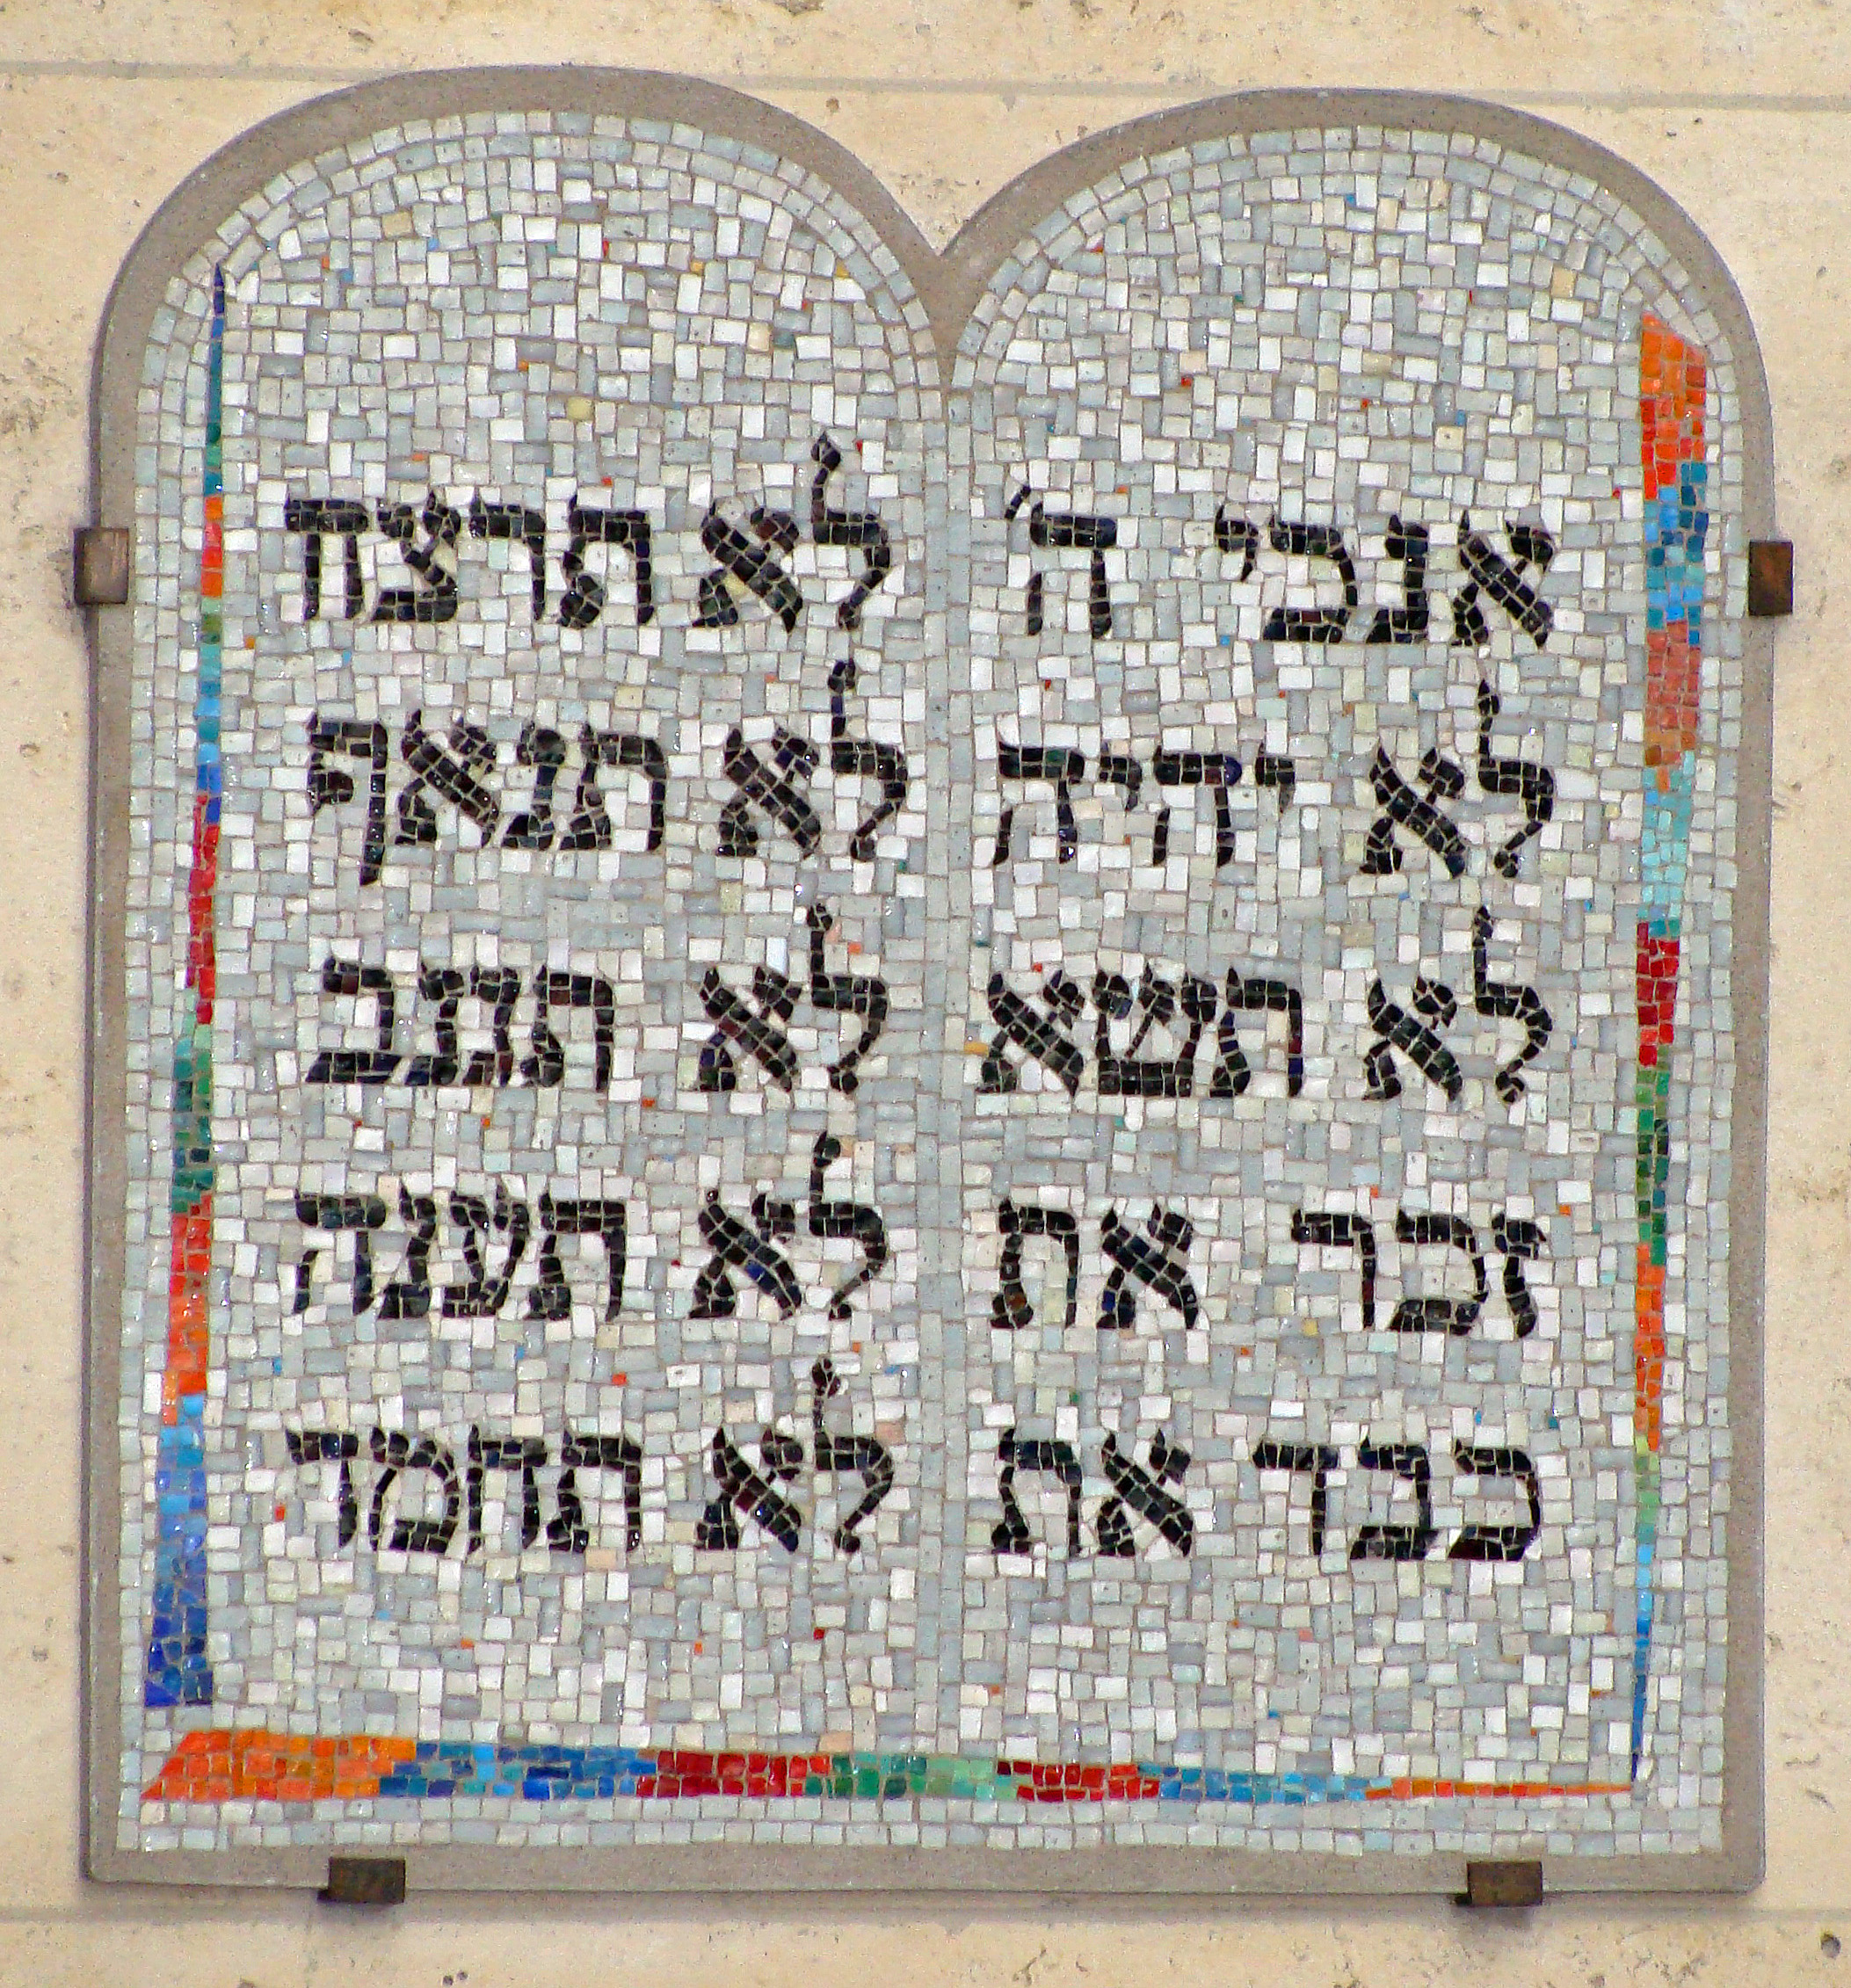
{"x": 250, "y": 1764}
{"x": 179, "y": 1672}
{"x": 1672, "y": 379}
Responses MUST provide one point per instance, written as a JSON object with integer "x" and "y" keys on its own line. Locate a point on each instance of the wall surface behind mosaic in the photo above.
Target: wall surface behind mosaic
{"x": 938, "y": 1058}
{"x": 777, "y": 1303}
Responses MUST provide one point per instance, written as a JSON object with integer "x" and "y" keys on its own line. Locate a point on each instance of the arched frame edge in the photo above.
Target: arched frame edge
{"x": 948, "y": 284}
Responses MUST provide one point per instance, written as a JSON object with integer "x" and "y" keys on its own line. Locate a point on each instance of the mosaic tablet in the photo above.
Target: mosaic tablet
{"x": 917, "y": 1085}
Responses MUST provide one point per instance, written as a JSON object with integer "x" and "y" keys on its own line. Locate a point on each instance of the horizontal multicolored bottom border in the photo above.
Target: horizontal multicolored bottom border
{"x": 248, "y": 1764}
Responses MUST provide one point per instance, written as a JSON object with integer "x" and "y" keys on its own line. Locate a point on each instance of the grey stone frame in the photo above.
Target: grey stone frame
{"x": 1150, "y": 1880}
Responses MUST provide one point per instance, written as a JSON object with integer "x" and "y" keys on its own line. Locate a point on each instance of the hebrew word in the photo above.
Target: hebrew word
{"x": 1063, "y": 768}
{"x": 1487, "y": 573}
{"x": 1416, "y": 1035}
{"x": 482, "y": 1226}
{"x": 1410, "y": 1464}
{"x": 749, "y": 562}
{"x": 1181, "y": 1010}
{"x": 752, "y": 1246}
{"x": 1155, "y": 1262}
{"x": 1517, "y": 1240}
{"x": 750, "y": 1493}
{"x": 397, "y": 1457}
{"x": 753, "y": 1026}
{"x": 1136, "y": 1490}
{"x": 462, "y": 771}
{"x": 498, "y": 989}
{"x": 1419, "y": 815}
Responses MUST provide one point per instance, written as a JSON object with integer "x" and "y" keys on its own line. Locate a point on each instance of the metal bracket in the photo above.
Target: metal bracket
{"x": 99, "y": 558}
{"x": 364, "y": 1881}
{"x": 1502, "y": 1884}
{"x": 1770, "y": 578}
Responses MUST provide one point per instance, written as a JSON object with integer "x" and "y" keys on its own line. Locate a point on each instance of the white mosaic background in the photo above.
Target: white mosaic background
{"x": 1336, "y": 328}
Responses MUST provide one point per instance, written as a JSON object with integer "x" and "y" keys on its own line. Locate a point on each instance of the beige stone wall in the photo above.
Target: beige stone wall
{"x": 1741, "y": 109}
